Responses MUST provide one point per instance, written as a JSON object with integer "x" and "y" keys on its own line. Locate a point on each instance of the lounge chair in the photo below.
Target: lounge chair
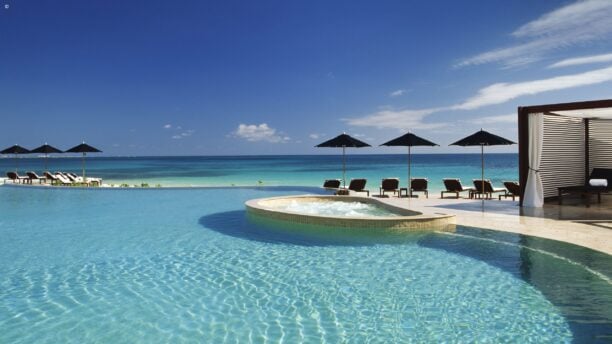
{"x": 587, "y": 190}
{"x": 358, "y": 185}
{"x": 16, "y": 178}
{"x": 488, "y": 191}
{"x": 78, "y": 179}
{"x": 332, "y": 184}
{"x": 453, "y": 185}
{"x": 513, "y": 190}
{"x": 58, "y": 179}
{"x": 32, "y": 176}
{"x": 419, "y": 185}
{"x": 389, "y": 185}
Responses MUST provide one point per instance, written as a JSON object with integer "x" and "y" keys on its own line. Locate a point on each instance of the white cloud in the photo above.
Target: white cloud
{"x": 261, "y": 132}
{"x": 503, "y": 92}
{"x": 314, "y": 136}
{"x": 397, "y": 93}
{"x": 582, "y": 60}
{"x": 396, "y": 119}
{"x": 499, "y": 119}
{"x": 494, "y": 94}
{"x": 184, "y": 134}
{"x": 167, "y": 126}
{"x": 577, "y": 24}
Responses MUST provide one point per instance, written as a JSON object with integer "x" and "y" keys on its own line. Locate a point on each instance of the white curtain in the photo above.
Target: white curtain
{"x": 534, "y": 191}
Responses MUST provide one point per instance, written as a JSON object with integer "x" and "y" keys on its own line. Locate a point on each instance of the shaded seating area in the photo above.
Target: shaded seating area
{"x": 454, "y": 186}
{"x": 598, "y": 182}
{"x": 389, "y": 185}
{"x": 419, "y": 185}
{"x": 561, "y": 148}
{"x": 358, "y": 185}
{"x": 488, "y": 190}
{"x": 513, "y": 189}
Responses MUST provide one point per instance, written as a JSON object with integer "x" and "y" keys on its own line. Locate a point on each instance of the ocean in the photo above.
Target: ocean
{"x": 283, "y": 170}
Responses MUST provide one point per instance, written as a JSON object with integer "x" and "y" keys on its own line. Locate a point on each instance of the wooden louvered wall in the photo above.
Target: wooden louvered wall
{"x": 600, "y": 143}
{"x": 562, "y": 153}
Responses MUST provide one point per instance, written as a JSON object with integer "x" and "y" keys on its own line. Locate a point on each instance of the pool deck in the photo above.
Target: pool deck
{"x": 572, "y": 222}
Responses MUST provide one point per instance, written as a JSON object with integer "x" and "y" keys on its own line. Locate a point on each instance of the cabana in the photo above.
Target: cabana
{"x": 560, "y": 145}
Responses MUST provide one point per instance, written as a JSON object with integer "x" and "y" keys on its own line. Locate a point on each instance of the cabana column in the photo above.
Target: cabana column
{"x": 534, "y": 191}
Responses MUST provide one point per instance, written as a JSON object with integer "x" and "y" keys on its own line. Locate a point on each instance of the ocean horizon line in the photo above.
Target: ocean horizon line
{"x": 102, "y": 156}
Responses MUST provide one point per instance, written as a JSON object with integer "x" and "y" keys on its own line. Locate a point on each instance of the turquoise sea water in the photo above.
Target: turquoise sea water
{"x": 188, "y": 265}
{"x": 308, "y": 170}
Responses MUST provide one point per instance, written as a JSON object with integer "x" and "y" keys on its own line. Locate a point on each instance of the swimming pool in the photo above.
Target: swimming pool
{"x": 184, "y": 265}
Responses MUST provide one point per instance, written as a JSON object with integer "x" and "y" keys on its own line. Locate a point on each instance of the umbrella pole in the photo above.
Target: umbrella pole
{"x": 343, "y": 167}
{"x": 46, "y": 157}
{"x": 83, "y": 166}
{"x": 409, "y": 181}
{"x": 16, "y": 164}
{"x": 482, "y": 173}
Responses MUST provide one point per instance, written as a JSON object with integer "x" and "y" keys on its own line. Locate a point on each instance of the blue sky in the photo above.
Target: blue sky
{"x": 278, "y": 77}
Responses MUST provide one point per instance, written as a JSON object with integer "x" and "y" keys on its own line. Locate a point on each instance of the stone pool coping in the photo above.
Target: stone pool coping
{"x": 409, "y": 221}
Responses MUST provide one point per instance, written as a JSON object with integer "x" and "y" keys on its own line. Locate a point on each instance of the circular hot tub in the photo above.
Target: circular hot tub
{"x": 347, "y": 212}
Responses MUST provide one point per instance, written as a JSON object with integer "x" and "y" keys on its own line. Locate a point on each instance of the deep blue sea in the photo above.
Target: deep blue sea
{"x": 269, "y": 170}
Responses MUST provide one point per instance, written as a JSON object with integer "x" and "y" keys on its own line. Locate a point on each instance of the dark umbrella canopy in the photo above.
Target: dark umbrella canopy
{"x": 343, "y": 140}
{"x": 83, "y": 148}
{"x": 46, "y": 149}
{"x": 409, "y": 140}
{"x": 15, "y": 149}
{"x": 482, "y": 138}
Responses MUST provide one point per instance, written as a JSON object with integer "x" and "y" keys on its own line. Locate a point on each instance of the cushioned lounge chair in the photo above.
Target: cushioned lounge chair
{"x": 453, "y": 185}
{"x": 587, "y": 190}
{"x": 419, "y": 185}
{"x": 389, "y": 185}
{"x": 16, "y": 178}
{"x": 513, "y": 190}
{"x": 488, "y": 191}
{"x": 57, "y": 179}
{"x": 78, "y": 179}
{"x": 332, "y": 184}
{"x": 32, "y": 176}
{"x": 358, "y": 185}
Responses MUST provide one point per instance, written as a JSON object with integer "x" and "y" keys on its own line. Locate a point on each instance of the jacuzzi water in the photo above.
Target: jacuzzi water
{"x": 336, "y": 208}
{"x": 172, "y": 266}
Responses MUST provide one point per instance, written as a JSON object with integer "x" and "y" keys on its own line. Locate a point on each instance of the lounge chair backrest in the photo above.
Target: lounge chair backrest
{"x": 357, "y": 184}
{"x": 488, "y": 188}
{"x": 389, "y": 184}
{"x": 32, "y": 175}
{"x": 12, "y": 175}
{"x": 418, "y": 184}
{"x": 49, "y": 176}
{"x": 332, "y": 183}
{"x": 513, "y": 187}
{"x": 63, "y": 178}
{"x": 602, "y": 173}
{"x": 453, "y": 185}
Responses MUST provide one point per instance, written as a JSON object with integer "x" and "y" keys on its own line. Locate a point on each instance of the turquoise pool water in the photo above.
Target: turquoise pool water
{"x": 189, "y": 266}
